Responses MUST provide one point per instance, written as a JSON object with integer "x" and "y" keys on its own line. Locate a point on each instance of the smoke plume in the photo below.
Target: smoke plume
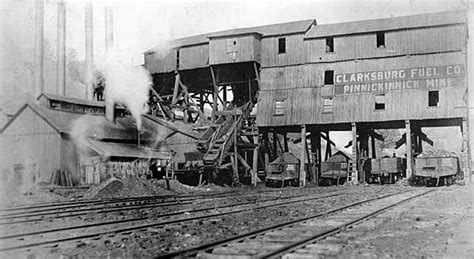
{"x": 126, "y": 84}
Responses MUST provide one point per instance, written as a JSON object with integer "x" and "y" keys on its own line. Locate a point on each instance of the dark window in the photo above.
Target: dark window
{"x": 327, "y": 105}
{"x": 433, "y": 98}
{"x": 380, "y": 39}
{"x": 330, "y": 44}
{"x": 329, "y": 77}
{"x": 380, "y": 102}
{"x": 281, "y": 45}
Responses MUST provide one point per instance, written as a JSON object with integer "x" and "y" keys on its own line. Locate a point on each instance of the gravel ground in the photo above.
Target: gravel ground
{"x": 419, "y": 228}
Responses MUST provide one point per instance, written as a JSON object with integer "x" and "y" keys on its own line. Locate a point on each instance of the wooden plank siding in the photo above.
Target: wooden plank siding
{"x": 401, "y": 42}
{"x": 161, "y": 61}
{"x": 70, "y": 158}
{"x": 295, "y": 51}
{"x": 29, "y": 137}
{"x": 246, "y": 49}
{"x": 303, "y": 86}
{"x": 191, "y": 57}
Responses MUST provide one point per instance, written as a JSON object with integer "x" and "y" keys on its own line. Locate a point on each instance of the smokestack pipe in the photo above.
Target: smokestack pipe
{"x": 61, "y": 50}
{"x": 39, "y": 44}
{"x": 109, "y": 38}
{"x": 89, "y": 51}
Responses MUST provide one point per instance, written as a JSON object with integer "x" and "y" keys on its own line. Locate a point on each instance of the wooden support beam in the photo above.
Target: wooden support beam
{"x": 266, "y": 151}
{"x": 176, "y": 88}
{"x": 244, "y": 162}
{"x": 275, "y": 145}
{"x": 285, "y": 140}
{"x": 314, "y": 156}
{"x": 310, "y": 161}
{"x": 364, "y": 150}
{"x": 303, "y": 155}
{"x": 408, "y": 148}
{"x": 465, "y": 161}
{"x": 224, "y": 96}
{"x": 255, "y": 161}
{"x": 372, "y": 142}
{"x": 215, "y": 94}
{"x": 236, "y": 156}
{"x": 355, "y": 153}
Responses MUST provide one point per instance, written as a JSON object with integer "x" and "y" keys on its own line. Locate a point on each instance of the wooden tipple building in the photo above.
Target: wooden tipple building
{"x": 404, "y": 72}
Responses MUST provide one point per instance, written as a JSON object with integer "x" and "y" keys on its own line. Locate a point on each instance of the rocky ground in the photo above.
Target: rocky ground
{"x": 419, "y": 228}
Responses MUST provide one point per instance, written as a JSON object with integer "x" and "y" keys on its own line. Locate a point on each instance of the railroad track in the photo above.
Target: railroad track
{"x": 76, "y": 209}
{"x": 56, "y": 236}
{"x": 299, "y": 238}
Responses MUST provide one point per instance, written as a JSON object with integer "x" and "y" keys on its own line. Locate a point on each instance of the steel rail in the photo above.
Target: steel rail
{"x": 148, "y": 225}
{"x": 296, "y": 245}
{"x": 195, "y": 250}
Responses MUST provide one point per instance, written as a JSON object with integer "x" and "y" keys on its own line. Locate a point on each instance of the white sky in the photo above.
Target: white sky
{"x": 140, "y": 24}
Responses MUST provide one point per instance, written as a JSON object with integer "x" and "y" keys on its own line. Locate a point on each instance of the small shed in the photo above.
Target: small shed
{"x": 72, "y": 135}
{"x": 336, "y": 167}
{"x": 285, "y": 168}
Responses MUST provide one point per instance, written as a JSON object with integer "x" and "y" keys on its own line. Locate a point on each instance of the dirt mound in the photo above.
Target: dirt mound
{"x": 107, "y": 189}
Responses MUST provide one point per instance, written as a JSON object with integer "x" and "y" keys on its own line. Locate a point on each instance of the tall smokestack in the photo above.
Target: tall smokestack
{"x": 89, "y": 51}
{"x": 61, "y": 47}
{"x": 109, "y": 38}
{"x": 39, "y": 45}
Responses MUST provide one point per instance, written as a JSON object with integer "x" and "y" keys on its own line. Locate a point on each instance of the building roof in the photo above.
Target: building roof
{"x": 124, "y": 129}
{"x": 71, "y": 100}
{"x": 112, "y": 149}
{"x": 179, "y": 126}
{"x": 266, "y": 31}
{"x": 388, "y": 24}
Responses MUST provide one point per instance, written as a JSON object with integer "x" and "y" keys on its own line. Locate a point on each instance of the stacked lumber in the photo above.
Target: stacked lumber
{"x": 437, "y": 153}
{"x": 61, "y": 178}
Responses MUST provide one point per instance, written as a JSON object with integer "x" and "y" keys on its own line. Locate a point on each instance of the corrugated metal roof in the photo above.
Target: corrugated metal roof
{"x": 266, "y": 30}
{"x": 387, "y": 24}
{"x": 112, "y": 149}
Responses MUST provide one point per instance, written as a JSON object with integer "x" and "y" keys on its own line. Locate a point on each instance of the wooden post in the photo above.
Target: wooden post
{"x": 224, "y": 96}
{"x": 255, "y": 161}
{"x": 176, "y": 88}
{"x": 303, "y": 156}
{"x": 201, "y": 102}
{"x": 364, "y": 143}
{"x": 355, "y": 153}
{"x": 465, "y": 150}
{"x": 314, "y": 156}
{"x": 216, "y": 92}
{"x": 267, "y": 150}
{"x": 408, "y": 149}
{"x": 275, "y": 147}
{"x": 236, "y": 153}
{"x": 372, "y": 142}
{"x": 285, "y": 140}
{"x": 319, "y": 154}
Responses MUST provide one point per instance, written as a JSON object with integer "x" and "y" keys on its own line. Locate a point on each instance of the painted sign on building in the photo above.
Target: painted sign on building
{"x": 399, "y": 79}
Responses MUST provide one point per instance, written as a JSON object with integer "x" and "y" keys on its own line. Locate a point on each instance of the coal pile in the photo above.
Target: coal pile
{"x": 437, "y": 153}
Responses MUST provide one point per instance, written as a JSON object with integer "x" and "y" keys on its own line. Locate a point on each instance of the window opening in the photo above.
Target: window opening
{"x": 380, "y": 39}
{"x": 281, "y": 45}
{"x": 329, "y": 77}
{"x": 330, "y": 44}
{"x": 380, "y": 102}
{"x": 433, "y": 98}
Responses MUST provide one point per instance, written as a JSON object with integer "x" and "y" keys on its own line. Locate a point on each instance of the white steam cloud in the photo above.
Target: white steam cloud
{"x": 126, "y": 84}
